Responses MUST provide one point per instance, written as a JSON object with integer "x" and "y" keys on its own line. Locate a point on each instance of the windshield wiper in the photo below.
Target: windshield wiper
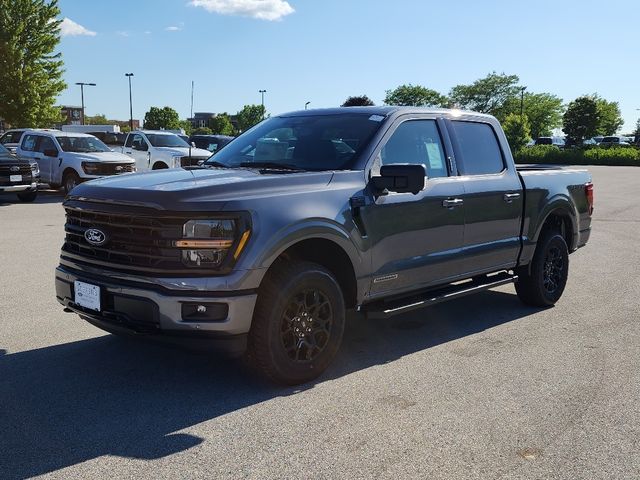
{"x": 272, "y": 166}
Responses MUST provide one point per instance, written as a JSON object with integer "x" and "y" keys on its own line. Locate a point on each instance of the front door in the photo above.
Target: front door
{"x": 415, "y": 239}
{"x": 137, "y": 148}
{"x": 47, "y": 155}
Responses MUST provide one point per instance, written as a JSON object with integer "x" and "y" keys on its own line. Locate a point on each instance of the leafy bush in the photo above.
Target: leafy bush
{"x": 549, "y": 154}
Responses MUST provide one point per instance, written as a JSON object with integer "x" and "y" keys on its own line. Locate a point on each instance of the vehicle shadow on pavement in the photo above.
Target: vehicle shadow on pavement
{"x": 47, "y": 196}
{"x": 66, "y": 404}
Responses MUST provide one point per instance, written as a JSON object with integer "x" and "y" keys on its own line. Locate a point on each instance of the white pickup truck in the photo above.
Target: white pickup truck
{"x": 158, "y": 149}
{"x": 67, "y": 159}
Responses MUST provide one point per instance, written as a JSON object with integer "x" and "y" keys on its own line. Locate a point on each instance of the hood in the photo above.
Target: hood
{"x": 184, "y": 151}
{"x": 101, "y": 157}
{"x": 197, "y": 189}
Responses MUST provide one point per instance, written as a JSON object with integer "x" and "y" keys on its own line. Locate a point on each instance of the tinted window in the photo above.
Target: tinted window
{"x": 46, "y": 144}
{"x": 29, "y": 143}
{"x": 417, "y": 142}
{"x": 166, "y": 140}
{"x": 479, "y": 150}
{"x": 129, "y": 140}
{"x": 81, "y": 144}
{"x": 314, "y": 142}
{"x": 12, "y": 137}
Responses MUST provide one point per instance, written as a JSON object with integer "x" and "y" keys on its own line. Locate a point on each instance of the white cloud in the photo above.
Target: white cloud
{"x": 69, "y": 28}
{"x": 260, "y": 9}
{"x": 173, "y": 28}
{"x": 147, "y": 32}
{"x": 122, "y": 34}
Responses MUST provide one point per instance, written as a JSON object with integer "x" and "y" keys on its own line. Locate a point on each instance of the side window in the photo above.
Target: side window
{"x": 29, "y": 143}
{"x": 129, "y": 141}
{"x": 46, "y": 144}
{"x": 138, "y": 142}
{"x": 481, "y": 154}
{"x": 6, "y": 138}
{"x": 418, "y": 142}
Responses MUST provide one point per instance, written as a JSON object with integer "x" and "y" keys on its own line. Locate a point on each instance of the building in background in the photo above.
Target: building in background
{"x": 201, "y": 119}
{"x": 71, "y": 115}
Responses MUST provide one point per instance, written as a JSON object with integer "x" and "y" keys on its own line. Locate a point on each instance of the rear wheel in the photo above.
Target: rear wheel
{"x": 70, "y": 180}
{"x": 543, "y": 283}
{"x": 27, "y": 196}
{"x": 298, "y": 323}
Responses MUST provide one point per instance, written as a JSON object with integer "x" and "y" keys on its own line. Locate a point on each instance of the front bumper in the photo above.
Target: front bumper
{"x": 26, "y": 187}
{"x": 140, "y": 309}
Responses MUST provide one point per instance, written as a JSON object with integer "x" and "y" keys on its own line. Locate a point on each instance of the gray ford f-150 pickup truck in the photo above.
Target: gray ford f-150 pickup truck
{"x": 261, "y": 250}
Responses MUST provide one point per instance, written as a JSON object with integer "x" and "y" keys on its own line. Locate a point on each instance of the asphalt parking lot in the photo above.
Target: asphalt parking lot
{"x": 483, "y": 388}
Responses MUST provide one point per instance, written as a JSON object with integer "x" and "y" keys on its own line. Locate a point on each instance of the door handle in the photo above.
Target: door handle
{"x": 452, "y": 202}
{"x": 510, "y": 197}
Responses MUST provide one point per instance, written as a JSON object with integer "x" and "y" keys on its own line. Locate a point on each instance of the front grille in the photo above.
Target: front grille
{"x": 192, "y": 161}
{"x": 104, "y": 168}
{"x": 134, "y": 242}
{"x": 24, "y": 170}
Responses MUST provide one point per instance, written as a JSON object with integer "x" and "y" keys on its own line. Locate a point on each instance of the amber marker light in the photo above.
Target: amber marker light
{"x": 203, "y": 244}
{"x": 241, "y": 244}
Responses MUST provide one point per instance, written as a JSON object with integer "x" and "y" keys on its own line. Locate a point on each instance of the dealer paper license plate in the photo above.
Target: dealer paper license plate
{"x": 87, "y": 295}
{"x": 15, "y": 178}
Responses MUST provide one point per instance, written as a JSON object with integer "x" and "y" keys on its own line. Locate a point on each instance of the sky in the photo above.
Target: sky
{"x": 322, "y": 51}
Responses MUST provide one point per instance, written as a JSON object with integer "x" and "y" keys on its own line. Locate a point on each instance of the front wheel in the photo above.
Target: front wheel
{"x": 298, "y": 323}
{"x": 543, "y": 283}
{"x": 27, "y": 196}
{"x": 70, "y": 180}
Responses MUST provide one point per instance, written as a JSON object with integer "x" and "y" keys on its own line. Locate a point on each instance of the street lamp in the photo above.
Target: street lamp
{"x": 129, "y": 75}
{"x": 82, "y": 84}
{"x": 522, "y": 89}
{"x": 306, "y": 105}
{"x": 262, "y": 92}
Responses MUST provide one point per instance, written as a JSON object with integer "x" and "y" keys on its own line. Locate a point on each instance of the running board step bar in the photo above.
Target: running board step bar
{"x": 389, "y": 308}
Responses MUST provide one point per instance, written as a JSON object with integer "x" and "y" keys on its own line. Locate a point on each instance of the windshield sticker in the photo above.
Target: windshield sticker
{"x": 376, "y": 118}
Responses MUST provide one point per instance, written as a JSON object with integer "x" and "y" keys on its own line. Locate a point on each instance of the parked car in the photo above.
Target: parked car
{"x": 11, "y": 139}
{"x": 213, "y": 143}
{"x": 66, "y": 159}
{"x": 614, "y": 140}
{"x": 159, "y": 149}
{"x": 556, "y": 141}
{"x": 18, "y": 175}
{"x": 263, "y": 248}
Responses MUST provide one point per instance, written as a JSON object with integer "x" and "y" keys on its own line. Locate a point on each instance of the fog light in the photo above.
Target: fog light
{"x": 204, "y": 312}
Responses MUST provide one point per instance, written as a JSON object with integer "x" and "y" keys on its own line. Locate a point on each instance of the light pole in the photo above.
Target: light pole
{"x": 522, "y": 101}
{"x": 306, "y": 105}
{"x": 262, "y": 92}
{"x": 82, "y": 84}
{"x": 129, "y": 75}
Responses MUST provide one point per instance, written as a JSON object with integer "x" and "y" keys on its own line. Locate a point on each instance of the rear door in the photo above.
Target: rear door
{"x": 493, "y": 197}
{"x": 415, "y": 239}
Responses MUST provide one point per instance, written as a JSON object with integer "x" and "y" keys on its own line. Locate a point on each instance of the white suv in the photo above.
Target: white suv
{"x": 66, "y": 158}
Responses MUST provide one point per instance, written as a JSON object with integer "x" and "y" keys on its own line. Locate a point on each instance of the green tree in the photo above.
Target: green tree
{"x": 544, "y": 111}
{"x": 186, "y": 126}
{"x": 518, "y": 131}
{"x": 581, "y": 119}
{"x": 249, "y": 116}
{"x": 358, "y": 101}
{"x": 221, "y": 124}
{"x": 162, "y": 118}
{"x": 487, "y": 95}
{"x": 416, "y": 96}
{"x": 637, "y": 132}
{"x": 609, "y": 116}
{"x": 202, "y": 131}
{"x": 30, "y": 71}
{"x": 97, "y": 120}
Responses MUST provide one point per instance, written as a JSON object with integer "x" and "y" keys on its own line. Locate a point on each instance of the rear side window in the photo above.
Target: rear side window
{"x": 29, "y": 143}
{"x": 478, "y": 145}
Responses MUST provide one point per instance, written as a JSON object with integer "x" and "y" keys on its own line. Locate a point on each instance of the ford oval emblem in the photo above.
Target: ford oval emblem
{"x": 14, "y": 168}
{"x": 95, "y": 237}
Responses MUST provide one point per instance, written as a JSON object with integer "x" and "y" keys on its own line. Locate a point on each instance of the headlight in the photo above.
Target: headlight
{"x": 90, "y": 168}
{"x": 209, "y": 242}
{"x": 177, "y": 162}
{"x": 35, "y": 169}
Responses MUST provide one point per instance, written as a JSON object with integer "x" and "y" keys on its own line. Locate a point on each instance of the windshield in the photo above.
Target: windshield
{"x": 166, "y": 140}
{"x": 320, "y": 142}
{"x": 81, "y": 144}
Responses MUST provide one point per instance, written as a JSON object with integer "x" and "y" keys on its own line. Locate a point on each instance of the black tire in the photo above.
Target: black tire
{"x": 160, "y": 166}
{"x": 69, "y": 181}
{"x": 543, "y": 285}
{"x": 298, "y": 323}
{"x": 27, "y": 196}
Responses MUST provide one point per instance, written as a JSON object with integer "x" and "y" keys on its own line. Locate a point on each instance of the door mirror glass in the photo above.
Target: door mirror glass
{"x": 50, "y": 152}
{"x": 400, "y": 178}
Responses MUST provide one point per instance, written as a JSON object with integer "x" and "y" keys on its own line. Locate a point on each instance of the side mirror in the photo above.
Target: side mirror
{"x": 193, "y": 144}
{"x": 50, "y": 152}
{"x": 400, "y": 178}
